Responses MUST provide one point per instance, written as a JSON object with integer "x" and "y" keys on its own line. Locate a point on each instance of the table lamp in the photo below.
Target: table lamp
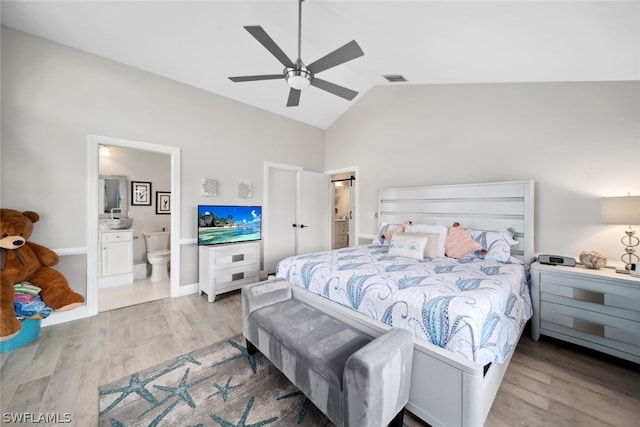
{"x": 623, "y": 211}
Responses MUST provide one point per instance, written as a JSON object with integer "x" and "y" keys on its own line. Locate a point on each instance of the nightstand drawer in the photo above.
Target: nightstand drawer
{"x": 593, "y": 302}
{"x": 592, "y": 323}
{"x": 592, "y": 290}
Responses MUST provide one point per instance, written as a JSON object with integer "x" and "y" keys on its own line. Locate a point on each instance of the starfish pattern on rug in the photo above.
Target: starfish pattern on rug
{"x": 243, "y": 419}
{"x": 224, "y": 390}
{"x": 242, "y": 353}
{"x": 138, "y": 386}
{"x": 304, "y": 408}
{"x": 181, "y": 391}
{"x": 135, "y": 386}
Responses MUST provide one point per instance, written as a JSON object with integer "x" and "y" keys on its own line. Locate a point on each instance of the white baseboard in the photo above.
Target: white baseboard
{"x": 66, "y": 316}
{"x": 188, "y": 289}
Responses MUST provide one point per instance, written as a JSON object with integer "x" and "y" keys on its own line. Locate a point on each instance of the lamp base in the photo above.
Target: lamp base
{"x": 622, "y": 271}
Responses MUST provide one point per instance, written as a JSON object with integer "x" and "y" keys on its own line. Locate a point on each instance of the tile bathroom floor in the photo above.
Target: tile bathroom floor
{"x": 142, "y": 290}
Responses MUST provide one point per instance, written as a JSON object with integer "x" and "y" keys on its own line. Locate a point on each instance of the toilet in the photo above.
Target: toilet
{"x": 158, "y": 254}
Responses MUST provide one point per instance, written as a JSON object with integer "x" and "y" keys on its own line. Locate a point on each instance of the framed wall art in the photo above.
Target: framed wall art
{"x": 140, "y": 193}
{"x": 163, "y": 202}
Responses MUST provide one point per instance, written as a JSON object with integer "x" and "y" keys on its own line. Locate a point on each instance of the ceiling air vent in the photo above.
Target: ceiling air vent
{"x": 395, "y": 78}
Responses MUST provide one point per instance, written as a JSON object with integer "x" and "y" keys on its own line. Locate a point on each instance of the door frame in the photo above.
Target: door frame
{"x": 93, "y": 172}
{"x": 356, "y": 204}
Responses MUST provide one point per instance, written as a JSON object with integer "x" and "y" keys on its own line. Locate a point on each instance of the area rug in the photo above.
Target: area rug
{"x": 218, "y": 385}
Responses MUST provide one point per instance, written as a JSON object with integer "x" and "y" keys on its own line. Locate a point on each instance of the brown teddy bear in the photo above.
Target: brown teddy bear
{"x": 22, "y": 260}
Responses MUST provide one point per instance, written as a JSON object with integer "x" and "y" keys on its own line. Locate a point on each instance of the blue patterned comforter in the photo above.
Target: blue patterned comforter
{"x": 475, "y": 308}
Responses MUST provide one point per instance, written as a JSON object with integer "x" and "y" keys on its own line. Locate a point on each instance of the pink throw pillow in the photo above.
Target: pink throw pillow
{"x": 459, "y": 243}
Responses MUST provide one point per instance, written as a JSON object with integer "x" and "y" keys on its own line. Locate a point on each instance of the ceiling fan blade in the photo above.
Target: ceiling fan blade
{"x": 333, "y": 88}
{"x": 339, "y": 56}
{"x": 255, "y": 78}
{"x": 266, "y": 41}
{"x": 294, "y": 98}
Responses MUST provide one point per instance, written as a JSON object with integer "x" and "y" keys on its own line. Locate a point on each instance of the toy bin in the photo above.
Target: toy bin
{"x": 29, "y": 332}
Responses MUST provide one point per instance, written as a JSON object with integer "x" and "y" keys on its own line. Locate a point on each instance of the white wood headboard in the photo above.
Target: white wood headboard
{"x": 486, "y": 206}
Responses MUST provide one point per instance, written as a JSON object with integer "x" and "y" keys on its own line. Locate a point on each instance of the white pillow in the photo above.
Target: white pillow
{"x": 440, "y": 230}
{"x": 410, "y": 245}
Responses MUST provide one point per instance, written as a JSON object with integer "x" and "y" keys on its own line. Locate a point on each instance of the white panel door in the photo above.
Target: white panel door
{"x": 280, "y": 212}
{"x": 314, "y": 208}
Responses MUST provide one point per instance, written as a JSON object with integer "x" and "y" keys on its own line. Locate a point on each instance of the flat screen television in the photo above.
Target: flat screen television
{"x": 221, "y": 224}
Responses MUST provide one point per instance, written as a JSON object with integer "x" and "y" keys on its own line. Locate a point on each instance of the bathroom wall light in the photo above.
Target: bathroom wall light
{"x": 104, "y": 151}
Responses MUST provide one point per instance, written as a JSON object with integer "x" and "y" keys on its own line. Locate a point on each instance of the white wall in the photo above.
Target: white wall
{"x": 578, "y": 141}
{"x": 53, "y": 96}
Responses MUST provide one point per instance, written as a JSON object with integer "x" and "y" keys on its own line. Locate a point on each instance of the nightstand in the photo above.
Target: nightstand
{"x": 598, "y": 309}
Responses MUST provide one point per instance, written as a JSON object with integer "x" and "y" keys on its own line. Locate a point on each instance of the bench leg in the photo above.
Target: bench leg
{"x": 398, "y": 420}
{"x": 251, "y": 349}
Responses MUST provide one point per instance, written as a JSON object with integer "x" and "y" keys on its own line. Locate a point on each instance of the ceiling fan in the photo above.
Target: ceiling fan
{"x": 298, "y": 75}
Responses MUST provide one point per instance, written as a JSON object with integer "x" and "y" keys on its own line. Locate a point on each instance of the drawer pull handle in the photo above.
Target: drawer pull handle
{"x": 588, "y": 296}
{"x": 588, "y": 327}
{"x": 236, "y": 258}
{"x": 237, "y": 276}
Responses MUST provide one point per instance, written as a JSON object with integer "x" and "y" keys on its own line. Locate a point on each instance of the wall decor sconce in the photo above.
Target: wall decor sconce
{"x": 104, "y": 151}
{"x": 209, "y": 187}
{"x": 244, "y": 190}
{"x": 623, "y": 211}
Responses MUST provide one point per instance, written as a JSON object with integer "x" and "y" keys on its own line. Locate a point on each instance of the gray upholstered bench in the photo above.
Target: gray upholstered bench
{"x": 354, "y": 379}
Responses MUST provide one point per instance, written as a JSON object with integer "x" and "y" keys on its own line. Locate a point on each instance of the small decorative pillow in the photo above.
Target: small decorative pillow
{"x": 431, "y": 248}
{"x": 438, "y": 242}
{"x": 387, "y": 230}
{"x": 459, "y": 243}
{"x": 410, "y": 245}
{"x": 497, "y": 243}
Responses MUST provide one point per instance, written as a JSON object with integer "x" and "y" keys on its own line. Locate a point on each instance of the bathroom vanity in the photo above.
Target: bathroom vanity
{"x": 115, "y": 258}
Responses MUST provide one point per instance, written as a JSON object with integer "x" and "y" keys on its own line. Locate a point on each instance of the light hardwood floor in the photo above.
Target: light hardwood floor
{"x": 547, "y": 383}
{"x": 141, "y": 290}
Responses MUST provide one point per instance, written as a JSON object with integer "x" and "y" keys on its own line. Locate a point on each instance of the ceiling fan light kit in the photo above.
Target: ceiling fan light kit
{"x": 297, "y": 75}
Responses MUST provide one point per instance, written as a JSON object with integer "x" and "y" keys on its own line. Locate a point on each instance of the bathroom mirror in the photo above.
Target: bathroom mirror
{"x": 112, "y": 194}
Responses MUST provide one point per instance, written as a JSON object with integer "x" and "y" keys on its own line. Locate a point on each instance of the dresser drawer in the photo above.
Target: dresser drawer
{"x": 234, "y": 276}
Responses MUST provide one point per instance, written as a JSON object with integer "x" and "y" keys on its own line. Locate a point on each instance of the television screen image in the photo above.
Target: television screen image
{"x": 218, "y": 224}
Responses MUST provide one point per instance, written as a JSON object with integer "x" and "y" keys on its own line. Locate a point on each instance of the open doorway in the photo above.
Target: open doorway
{"x": 133, "y": 263}
{"x": 344, "y": 202}
{"x": 170, "y": 217}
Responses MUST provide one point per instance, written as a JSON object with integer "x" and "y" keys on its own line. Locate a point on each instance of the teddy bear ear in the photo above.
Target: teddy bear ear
{"x": 34, "y": 217}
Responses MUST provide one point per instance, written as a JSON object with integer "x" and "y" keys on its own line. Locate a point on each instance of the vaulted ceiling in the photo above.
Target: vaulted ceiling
{"x": 202, "y": 43}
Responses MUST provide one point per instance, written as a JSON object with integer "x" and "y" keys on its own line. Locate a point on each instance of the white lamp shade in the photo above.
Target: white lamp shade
{"x": 620, "y": 210}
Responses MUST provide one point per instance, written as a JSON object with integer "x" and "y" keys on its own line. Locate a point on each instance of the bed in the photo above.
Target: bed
{"x": 467, "y": 314}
